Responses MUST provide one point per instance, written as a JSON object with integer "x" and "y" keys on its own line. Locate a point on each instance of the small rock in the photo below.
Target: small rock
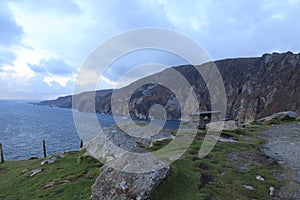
{"x": 24, "y": 170}
{"x": 271, "y": 190}
{"x": 123, "y": 185}
{"x": 50, "y": 160}
{"x": 35, "y": 172}
{"x": 249, "y": 187}
{"x": 49, "y": 184}
{"x": 259, "y": 177}
{"x": 222, "y": 139}
{"x": 44, "y": 162}
{"x": 112, "y": 191}
{"x": 65, "y": 181}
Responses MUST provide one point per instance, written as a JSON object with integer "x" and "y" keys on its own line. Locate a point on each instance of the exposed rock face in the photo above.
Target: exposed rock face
{"x": 110, "y": 144}
{"x": 130, "y": 172}
{"x": 255, "y": 88}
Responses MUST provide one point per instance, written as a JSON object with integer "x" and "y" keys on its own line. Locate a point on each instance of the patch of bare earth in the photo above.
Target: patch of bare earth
{"x": 283, "y": 144}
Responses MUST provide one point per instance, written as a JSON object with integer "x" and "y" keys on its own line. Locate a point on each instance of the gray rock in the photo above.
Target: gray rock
{"x": 260, "y": 178}
{"x": 35, "y": 172}
{"x": 130, "y": 172}
{"x": 271, "y": 190}
{"x": 222, "y": 139}
{"x": 49, "y": 184}
{"x": 286, "y": 115}
{"x": 117, "y": 185}
{"x": 280, "y": 116}
{"x": 50, "y": 160}
{"x": 249, "y": 187}
{"x": 110, "y": 144}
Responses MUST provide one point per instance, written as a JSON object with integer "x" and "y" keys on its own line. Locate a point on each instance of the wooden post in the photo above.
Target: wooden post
{"x": 1, "y": 154}
{"x": 81, "y": 143}
{"x": 44, "y": 149}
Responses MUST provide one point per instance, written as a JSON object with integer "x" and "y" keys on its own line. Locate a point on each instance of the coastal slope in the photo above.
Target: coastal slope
{"x": 255, "y": 87}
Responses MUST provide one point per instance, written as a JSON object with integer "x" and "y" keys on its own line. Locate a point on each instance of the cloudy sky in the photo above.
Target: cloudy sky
{"x": 44, "y": 43}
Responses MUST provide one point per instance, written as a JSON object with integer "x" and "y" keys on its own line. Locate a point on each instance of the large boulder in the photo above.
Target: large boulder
{"x": 114, "y": 184}
{"x": 110, "y": 144}
{"x": 287, "y": 115}
{"x": 129, "y": 172}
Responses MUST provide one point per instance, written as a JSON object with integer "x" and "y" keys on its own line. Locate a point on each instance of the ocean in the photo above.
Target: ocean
{"x": 23, "y": 127}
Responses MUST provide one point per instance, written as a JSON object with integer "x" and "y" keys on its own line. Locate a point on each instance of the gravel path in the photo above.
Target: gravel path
{"x": 283, "y": 144}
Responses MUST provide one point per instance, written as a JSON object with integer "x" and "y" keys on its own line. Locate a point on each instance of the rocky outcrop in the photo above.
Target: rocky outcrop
{"x": 130, "y": 172}
{"x": 111, "y": 143}
{"x": 117, "y": 185}
{"x": 287, "y": 115}
{"x": 255, "y": 88}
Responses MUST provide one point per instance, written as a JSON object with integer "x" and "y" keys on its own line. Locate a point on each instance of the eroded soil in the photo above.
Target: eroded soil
{"x": 283, "y": 145}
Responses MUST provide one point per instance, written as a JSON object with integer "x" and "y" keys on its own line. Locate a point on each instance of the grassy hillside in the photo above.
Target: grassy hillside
{"x": 222, "y": 174}
{"x": 70, "y": 177}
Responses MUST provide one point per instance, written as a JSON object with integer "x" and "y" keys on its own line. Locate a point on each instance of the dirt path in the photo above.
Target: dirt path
{"x": 283, "y": 144}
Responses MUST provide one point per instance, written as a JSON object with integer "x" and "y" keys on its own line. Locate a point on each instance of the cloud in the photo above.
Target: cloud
{"x": 53, "y": 66}
{"x": 10, "y": 32}
{"x": 65, "y": 32}
{"x": 238, "y": 28}
{"x": 10, "y": 35}
{"x": 137, "y": 58}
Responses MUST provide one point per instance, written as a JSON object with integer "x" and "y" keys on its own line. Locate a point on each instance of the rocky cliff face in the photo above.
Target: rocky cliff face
{"x": 255, "y": 88}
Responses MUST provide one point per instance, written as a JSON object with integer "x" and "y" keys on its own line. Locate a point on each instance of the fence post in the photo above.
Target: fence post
{"x": 44, "y": 149}
{"x": 81, "y": 143}
{"x": 1, "y": 154}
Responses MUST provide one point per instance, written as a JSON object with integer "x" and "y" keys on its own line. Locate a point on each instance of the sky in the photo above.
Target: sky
{"x": 44, "y": 43}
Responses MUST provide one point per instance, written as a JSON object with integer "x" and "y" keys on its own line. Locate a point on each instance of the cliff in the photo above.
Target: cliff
{"x": 255, "y": 88}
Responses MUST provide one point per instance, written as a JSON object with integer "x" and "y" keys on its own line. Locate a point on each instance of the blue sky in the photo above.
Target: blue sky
{"x": 44, "y": 43}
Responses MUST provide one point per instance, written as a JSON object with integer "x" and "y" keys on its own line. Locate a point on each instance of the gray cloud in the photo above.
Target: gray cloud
{"x": 239, "y": 29}
{"x": 10, "y": 32}
{"x": 140, "y": 57}
{"x": 71, "y": 29}
{"x": 52, "y": 66}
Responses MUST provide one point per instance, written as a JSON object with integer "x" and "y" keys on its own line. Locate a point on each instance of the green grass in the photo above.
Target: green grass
{"x": 73, "y": 175}
{"x": 214, "y": 177}
{"x": 191, "y": 178}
